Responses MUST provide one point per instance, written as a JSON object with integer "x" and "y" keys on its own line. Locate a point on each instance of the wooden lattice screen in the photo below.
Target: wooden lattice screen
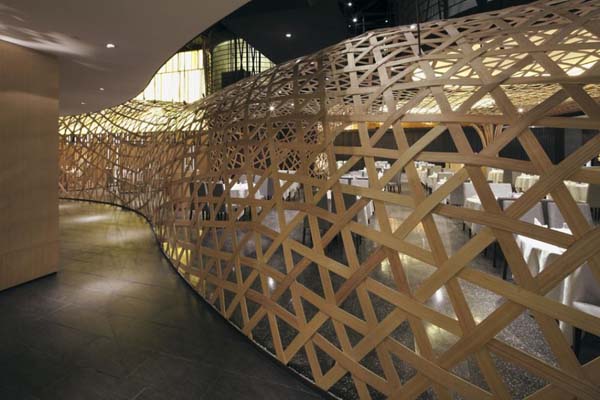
{"x": 532, "y": 65}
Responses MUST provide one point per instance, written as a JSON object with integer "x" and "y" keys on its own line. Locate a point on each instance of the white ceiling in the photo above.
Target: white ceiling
{"x": 146, "y": 33}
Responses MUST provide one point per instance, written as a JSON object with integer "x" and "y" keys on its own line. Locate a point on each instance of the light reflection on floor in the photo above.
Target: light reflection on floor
{"x": 116, "y": 322}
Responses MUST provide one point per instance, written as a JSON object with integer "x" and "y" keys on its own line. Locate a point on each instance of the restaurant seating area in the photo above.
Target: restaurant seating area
{"x": 392, "y": 217}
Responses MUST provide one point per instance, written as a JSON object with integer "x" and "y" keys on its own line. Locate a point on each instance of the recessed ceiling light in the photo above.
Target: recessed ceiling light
{"x": 110, "y": 45}
{"x": 354, "y": 19}
{"x": 288, "y": 35}
{"x": 83, "y": 103}
{"x": 349, "y": 4}
{"x": 102, "y": 89}
{"x": 386, "y": 21}
{"x": 413, "y": 26}
{"x": 521, "y": 110}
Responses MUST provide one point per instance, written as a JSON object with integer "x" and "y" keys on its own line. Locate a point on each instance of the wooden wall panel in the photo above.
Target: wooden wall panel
{"x": 28, "y": 165}
{"x": 533, "y": 65}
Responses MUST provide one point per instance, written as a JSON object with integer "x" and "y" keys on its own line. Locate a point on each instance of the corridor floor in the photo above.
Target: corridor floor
{"x": 118, "y": 323}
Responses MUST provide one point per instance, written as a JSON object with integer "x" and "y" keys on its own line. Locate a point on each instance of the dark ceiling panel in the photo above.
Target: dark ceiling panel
{"x": 264, "y": 23}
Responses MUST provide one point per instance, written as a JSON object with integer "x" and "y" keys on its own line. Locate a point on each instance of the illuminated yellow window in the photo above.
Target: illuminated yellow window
{"x": 180, "y": 79}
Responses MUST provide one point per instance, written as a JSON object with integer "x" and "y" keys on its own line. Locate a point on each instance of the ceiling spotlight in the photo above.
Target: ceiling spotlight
{"x": 288, "y": 35}
{"x": 349, "y": 4}
{"x": 102, "y": 89}
{"x": 521, "y": 110}
{"x": 83, "y": 103}
{"x": 354, "y": 19}
{"x": 386, "y": 21}
{"x": 413, "y": 26}
{"x": 110, "y": 45}
{"x": 271, "y": 108}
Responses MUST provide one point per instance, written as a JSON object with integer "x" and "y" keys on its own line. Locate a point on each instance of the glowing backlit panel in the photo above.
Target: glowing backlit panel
{"x": 236, "y": 56}
{"x": 179, "y": 79}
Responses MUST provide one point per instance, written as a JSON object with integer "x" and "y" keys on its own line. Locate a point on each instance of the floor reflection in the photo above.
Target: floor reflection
{"x": 116, "y": 322}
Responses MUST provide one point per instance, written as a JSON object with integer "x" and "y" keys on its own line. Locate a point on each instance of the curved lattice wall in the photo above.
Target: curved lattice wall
{"x": 326, "y": 294}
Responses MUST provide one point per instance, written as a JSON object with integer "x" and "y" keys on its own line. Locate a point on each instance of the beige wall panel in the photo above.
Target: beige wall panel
{"x": 28, "y": 165}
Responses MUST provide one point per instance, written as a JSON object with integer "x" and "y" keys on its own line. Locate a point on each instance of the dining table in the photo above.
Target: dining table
{"x": 362, "y": 182}
{"x": 362, "y": 216}
{"x": 291, "y": 192}
{"x": 473, "y": 203}
{"x": 578, "y": 190}
{"x": 431, "y": 180}
{"x": 495, "y": 175}
{"x": 540, "y": 255}
{"x": 524, "y": 181}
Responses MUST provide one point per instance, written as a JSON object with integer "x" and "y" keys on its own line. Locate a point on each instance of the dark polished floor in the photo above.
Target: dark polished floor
{"x": 118, "y": 323}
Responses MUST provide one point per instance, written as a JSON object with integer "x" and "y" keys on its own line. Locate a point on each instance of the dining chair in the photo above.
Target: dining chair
{"x": 593, "y": 200}
{"x": 507, "y": 177}
{"x": 218, "y": 192}
{"x": 266, "y": 188}
{"x": 202, "y": 193}
{"x": 556, "y": 219}
{"x": 349, "y": 200}
{"x": 581, "y": 292}
{"x": 323, "y": 203}
{"x": 501, "y": 189}
{"x": 535, "y": 212}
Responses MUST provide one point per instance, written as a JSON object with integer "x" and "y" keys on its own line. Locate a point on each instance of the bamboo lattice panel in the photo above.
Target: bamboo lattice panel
{"x": 533, "y": 65}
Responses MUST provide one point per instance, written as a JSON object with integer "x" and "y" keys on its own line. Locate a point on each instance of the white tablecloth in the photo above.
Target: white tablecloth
{"x": 431, "y": 180}
{"x": 437, "y": 185}
{"x": 539, "y": 255}
{"x": 424, "y": 164}
{"x": 360, "y": 182}
{"x": 382, "y": 164}
{"x": 292, "y": 190}
{"x": 496, "y": 175}
{"x": 473, "y": 203}
{"x": 240, "y": 190}
{"x": 440, "y": 179}
{"x": 422, "y": 172}
{"x": 369, "y": 207}
{"x": 525, "y": 181}
{"x": 578, "y": 190}
{"x": 359, "y": 173}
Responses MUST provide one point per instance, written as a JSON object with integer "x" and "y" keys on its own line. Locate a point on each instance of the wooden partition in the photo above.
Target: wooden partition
{"x": 533, "y": 65}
